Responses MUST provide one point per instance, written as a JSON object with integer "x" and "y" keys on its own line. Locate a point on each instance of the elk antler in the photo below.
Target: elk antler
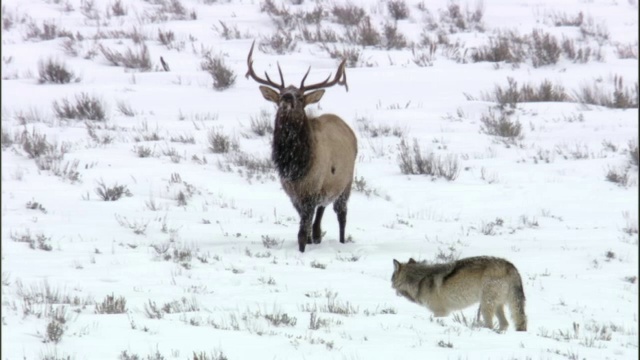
{"x": 255, "y": 77}
{"x": 340, "y": 79}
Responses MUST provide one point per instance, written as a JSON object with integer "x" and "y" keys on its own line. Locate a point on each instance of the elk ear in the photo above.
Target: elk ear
{"x": 313, "y": 97}
{"x": 396, "y": 265}
{"x": 269, "y": 94}
{"x": 411, "y": 261}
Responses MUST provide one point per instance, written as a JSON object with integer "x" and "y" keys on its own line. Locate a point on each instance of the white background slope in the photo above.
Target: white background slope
{"x": 564, "y": 226}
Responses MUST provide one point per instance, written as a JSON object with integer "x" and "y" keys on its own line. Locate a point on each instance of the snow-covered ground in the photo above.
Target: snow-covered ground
{"x": 199, "y": 259}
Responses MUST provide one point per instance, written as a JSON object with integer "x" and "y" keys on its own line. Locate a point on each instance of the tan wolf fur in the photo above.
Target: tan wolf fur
{"x": 443, "y": 288}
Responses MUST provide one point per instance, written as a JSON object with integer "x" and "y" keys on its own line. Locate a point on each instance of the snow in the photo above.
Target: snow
{"x": 571, "y": 233}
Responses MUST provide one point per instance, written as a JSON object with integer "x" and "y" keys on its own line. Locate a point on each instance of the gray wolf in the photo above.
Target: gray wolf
{"x": 442, "y": 288}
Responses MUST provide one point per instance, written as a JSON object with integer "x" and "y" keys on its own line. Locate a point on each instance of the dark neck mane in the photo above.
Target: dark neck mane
{"x": 292, "y": 148}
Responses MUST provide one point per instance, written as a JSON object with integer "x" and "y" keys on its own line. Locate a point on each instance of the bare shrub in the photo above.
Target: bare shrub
{"x": 398, "y": 9}
{"x": 166, "y": 38}
{"x": 125, "y": 108}
{"x": 350, "y": 53}
{"x": 621, "y": 97}
{"x": 55, "y": 330}
{"x": 215, "y": 355}
{"x": 281, "y": 319}
{"x": 131, "y": 59}
{"x": 545, "y": 49}
{"x": 219, "y": 143}
{"x": 502, "y": 126}
{"x": 223, "y": 76}
{"x": 414, "y": 162}
{"x": 348, "y": 14}
{"x": 55, "y": 72}
{"x": 228, "y": 32}
{"x": 262, "y": 124}
{"x": 590, "y": 30}
{"x": 35, "y": 144}
{"x": 453, "y": 19}
{"x": 281, "y": 42}
{"x": 562, "y": 19}
{"x": 39, "y": 241}
{"x": 507, "y": 46}
{"x": 365, "y": 34}
{"x": 48, "y": 31}
{"x": 511, "y": 95}
{"x": 271, "y": 243}
{"x": 112, "y": 305}
{"x": 86, "y": 107}
{"x": 424, "y": 58}
{"x": 629, "y": 51}
{"x": 633, "y": 154}
{"x": 580, "y": 53}
{"x": 117, "y": 9}
{"x": 393, "y": 38}
{"x": 112, "y": 193}
{"x": 619, "y": 177}
{"x": 281, "y": 16}
{"x": 320, "y": 35}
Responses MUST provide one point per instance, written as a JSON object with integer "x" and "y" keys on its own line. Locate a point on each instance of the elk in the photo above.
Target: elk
{"x": 314, "y": 156}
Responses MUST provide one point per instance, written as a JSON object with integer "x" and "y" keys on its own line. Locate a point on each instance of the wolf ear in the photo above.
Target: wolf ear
{"x": 396, "y": 265}
{"x": 411, "y": 261}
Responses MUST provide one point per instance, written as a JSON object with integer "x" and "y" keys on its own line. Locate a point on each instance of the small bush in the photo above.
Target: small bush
{"x": 35, "y": 144}
{"x": 413, "y": 162}
{"x": 86, "y": 107}
{"x": 562, "y": 19}
{"x": 262, "y": 124}
{"x": 348, "y": 15}
{"x": 351, "y": 54}
{"x": 506, "y": 46}
{"x": 54, "y": 332}
{"x": 117, "y": 9}
{"x": 619, "y": 177}
{"x": 132, "y": 59}
{"x": 621, "y": 97}
{"x": 393, "y": 38}
{"x": 223, "y": 76}
{"x": 54, "y": 72}
{"x": 398, "y": 9}
{"x": 633, "y": 154}
{"x": 629, "y": 51}
{"x": 502, "y": 126}
{"x": 111, "y": 305}
{"x": 511, "y": 95}
{"x": 365, "y": 34}
{"x": 219, "y": 143}
{"x": 545, "y": 49}
{"x": 281, "y": 42}
{"x": 112, "y": 193}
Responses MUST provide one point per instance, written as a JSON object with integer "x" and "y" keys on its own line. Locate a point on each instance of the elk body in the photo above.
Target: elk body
{"x": 314, "y": 157}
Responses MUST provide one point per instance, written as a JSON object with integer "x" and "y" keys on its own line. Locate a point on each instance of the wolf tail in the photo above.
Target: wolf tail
{"x": 517, "y": 301}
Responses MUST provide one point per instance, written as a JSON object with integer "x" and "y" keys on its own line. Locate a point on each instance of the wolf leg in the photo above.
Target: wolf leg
{"x": 487, "y": 309}
{"x": 502, "y": 320}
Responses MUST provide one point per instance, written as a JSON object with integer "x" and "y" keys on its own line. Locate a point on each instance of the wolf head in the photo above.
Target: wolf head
{"x": 398, "y": 276}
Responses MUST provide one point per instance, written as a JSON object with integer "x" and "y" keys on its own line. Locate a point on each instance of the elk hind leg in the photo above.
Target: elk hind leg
{"x": 340, "y": 207}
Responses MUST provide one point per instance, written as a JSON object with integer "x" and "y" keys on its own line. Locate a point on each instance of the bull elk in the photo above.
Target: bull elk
{"x": 314, "y": 157}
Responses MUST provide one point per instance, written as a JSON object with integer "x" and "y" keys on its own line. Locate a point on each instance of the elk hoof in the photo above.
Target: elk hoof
{"x": 317, "y": 240}
{"x": 301, "y": 246}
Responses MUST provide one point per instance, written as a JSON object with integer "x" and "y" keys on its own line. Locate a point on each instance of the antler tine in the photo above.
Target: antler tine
{"x": 252, "y": 74}
{"x": 305, "y": 77}
{"x": 340, "y": 79}
{"x": 281, "y": 77}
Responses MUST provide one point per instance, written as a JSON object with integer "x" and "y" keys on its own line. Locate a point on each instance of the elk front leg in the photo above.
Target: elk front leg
{"x": 317, "y": 229}
{"x": 306, "y": 217}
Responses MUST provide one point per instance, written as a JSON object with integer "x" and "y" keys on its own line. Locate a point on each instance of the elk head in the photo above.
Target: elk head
{"x": 291, "y": 98}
